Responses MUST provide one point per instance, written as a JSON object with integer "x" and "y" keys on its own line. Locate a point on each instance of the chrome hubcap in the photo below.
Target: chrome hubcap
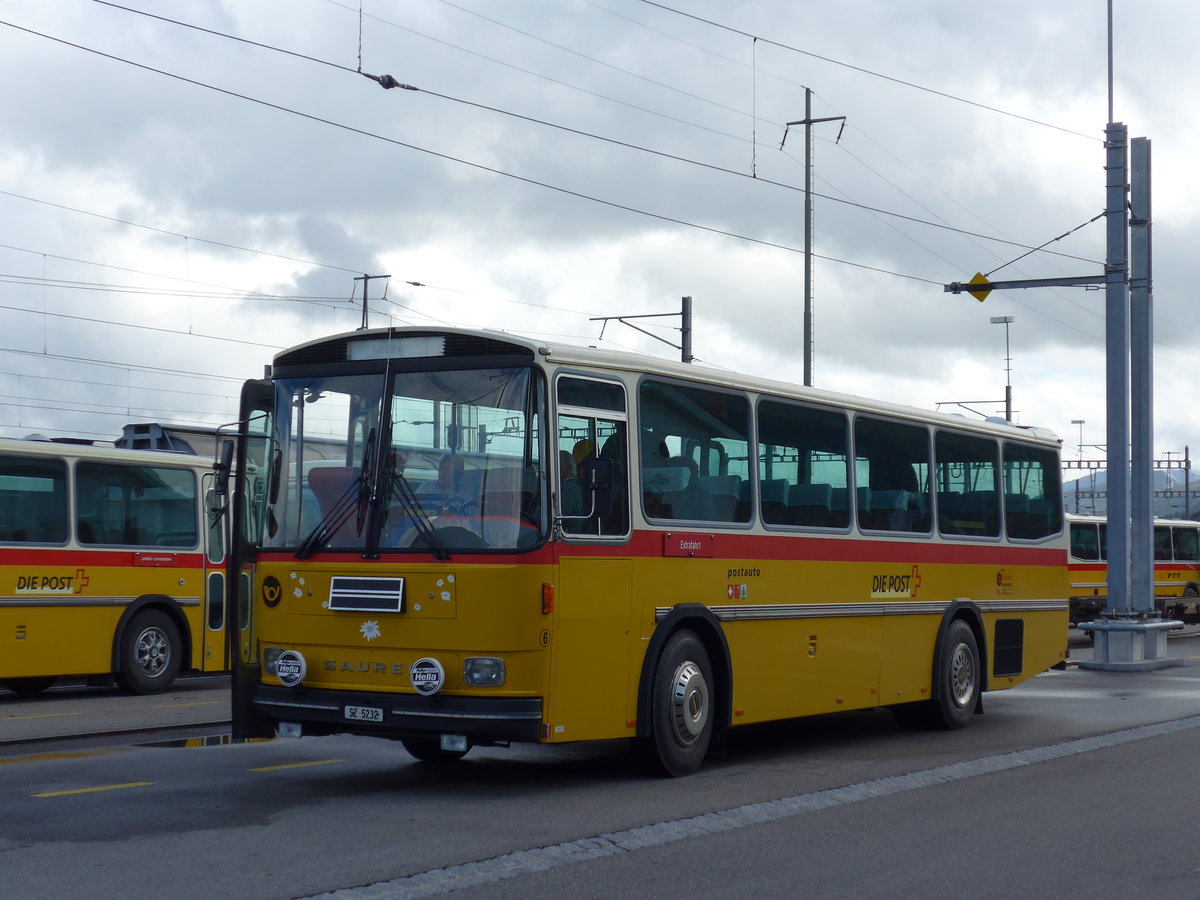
{"x": 689, "y": 703}
{"x": 152, "y": 652}
{"x": 962, "y": 675}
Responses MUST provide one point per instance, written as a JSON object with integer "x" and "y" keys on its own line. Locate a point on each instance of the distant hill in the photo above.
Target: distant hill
{"x": 1077, "y": 494}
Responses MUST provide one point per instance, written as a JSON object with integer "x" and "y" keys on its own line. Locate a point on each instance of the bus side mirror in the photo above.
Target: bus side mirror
{"x": 596, "y": 478}
{"x": 222, "y": 468}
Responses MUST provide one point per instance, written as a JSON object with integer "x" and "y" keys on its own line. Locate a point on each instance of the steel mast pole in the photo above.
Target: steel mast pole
{"x": 808, "y": 217}
{"x": 1116, "y": 327}
{"x": 1141, "y": 326}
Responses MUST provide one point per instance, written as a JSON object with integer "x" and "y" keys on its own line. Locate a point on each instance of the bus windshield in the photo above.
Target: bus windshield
{"x": 446, "y": 460}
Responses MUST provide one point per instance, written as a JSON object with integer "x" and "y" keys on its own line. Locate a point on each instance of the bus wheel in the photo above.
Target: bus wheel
{"x": 681, "y": 707}
{"x": 150, "y": 653}
{"x": 429, "y": 750}
{"x": 29, "y": 686}
{"x": 958, "y": 669}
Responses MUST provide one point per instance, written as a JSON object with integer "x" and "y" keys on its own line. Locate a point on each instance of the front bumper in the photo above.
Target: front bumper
{"x": 482, "y": 720}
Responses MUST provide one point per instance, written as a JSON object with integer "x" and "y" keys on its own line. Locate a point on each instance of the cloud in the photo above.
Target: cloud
{"x": 505, "y": 222}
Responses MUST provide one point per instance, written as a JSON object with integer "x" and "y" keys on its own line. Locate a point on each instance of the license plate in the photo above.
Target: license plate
{"x": 364, "y": 713}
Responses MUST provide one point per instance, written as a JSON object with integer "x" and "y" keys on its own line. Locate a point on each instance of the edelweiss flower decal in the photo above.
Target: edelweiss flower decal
{"x": 370, "y": 629}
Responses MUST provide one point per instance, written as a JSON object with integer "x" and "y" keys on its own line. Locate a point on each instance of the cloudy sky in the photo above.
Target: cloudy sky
{"x": 180, "y": 201}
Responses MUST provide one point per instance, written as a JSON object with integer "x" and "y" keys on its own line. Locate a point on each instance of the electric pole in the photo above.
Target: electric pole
{"x": 808, "y": 121}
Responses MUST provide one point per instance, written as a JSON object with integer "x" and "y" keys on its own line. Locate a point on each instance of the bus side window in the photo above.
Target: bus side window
{"x": 591, "y": 425}
{"x": 1034, "y": 472}
{"x": 1162, "y": 542}
{"x": 130, "y": 505}
{"x": 614, "y": 448}
{"x": 1084, "y": 543}
{"x": 803, "y": 465}
{"x": 894, "y": 458}
{"x": 1187, "y": 544}
{"x": 689, "y": 437}
{"x": 33, "y": 500}
{"x": 215, "y": 522}
{"x": 968, "y": 486}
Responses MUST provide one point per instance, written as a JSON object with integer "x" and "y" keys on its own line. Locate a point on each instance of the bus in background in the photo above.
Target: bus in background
{"x": 112, "y": 566}
{"x": 524, "y": 541}
{"x": 1176, "y": 568}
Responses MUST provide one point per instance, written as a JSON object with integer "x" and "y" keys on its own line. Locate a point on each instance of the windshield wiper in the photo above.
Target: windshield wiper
{"x": 337, "y": 516}
{"x": 402, "y": 491}
{"x": 356, "y": 498}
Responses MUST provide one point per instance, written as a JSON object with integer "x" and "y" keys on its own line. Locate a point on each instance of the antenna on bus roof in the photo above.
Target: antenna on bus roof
{"x": 366, "y": 280}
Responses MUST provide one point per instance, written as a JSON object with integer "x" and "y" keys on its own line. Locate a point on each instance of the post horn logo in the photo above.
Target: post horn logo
{"x": 272, "y": 591}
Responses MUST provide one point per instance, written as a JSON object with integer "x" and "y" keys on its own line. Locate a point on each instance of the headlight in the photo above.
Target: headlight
{"x": 271, "y": 659}
{"x": 289, "y": 666}
{"x": 483, "y": 671}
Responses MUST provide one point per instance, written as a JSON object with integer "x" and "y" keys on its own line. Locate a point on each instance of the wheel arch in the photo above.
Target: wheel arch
{"x": 965, "y": 611}
{"x": 165, "y": 604}
{"x": 700, "y": 620}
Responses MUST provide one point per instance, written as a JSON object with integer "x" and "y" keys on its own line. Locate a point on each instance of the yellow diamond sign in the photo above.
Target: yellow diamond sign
{"x": 979, "y": 279}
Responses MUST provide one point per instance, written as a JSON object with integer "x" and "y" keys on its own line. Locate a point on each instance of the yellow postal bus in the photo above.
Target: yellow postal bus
{"x": 1176, "y": 568}
{"x": 112, "y": 565}
{"x": 522, "y": 541}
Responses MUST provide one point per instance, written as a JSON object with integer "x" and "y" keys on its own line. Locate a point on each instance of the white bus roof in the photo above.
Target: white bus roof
{"x": 70, "y": 450}
{"x": 569, "y": 355}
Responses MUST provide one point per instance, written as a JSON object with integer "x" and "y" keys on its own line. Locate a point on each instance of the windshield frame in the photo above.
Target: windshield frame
{"x": 365, "y": 457}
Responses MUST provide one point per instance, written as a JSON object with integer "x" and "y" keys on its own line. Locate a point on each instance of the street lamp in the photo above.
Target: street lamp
{"x": 1080, "y": 423}
{"x": 1006, "y": 321}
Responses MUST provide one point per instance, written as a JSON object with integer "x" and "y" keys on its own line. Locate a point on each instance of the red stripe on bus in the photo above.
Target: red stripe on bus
{"x": 782, "y": 547}
{"x": 182, "y": 559}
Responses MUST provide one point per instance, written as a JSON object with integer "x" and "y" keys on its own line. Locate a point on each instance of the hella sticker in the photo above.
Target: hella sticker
{"x": 427, "y": 676}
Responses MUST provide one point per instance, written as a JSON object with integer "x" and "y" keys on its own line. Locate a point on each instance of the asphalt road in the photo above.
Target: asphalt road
{"x": 1075, "y": 784}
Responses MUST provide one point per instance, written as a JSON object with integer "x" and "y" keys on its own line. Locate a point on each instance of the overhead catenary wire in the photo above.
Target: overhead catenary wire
{"x": 475, "y": 165}
{"x": 548, "y": 79}
{"x": 390, "y": 82}
{"x": 389, "y": 300}
{"x": 345, "y": 302}
{"x": 1066, "y": 234}
{"x": 669, "y": 87}
{"x": 116, "y": 364}
{"x": 387, "y": 79}
{"x": 165, "y": 231}
{"x": 909, "y": 84}
{"x": 724, "y": 170}
{"x": 1042, "y": 313}
{"x": 152, "y": 328}
{"x": 175, "y": 293}
{"x": 143, "y": 388}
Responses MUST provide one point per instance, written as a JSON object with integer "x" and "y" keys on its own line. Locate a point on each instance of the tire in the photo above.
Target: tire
{"x": 959, "y": 677}
{"x": 429, "y": 750}
{"x": 681, "y": 707}
{"x": 29, "y": 686}
{"x": 151, "y": 653}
